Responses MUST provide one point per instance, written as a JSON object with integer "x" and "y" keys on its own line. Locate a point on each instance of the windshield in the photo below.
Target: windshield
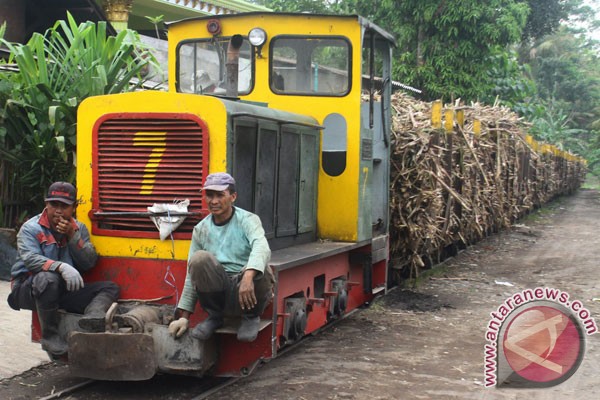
{"x": 310, "y": 65}
{"x": 201, "y": 66}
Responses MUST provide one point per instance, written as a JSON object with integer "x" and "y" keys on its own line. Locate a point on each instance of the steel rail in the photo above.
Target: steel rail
{"x": 222, "y": 382}
{"x": 69, "y": 390}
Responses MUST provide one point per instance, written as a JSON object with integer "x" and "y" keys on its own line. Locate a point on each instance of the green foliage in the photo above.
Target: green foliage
{"x": 57, "y": 71}
{"x": 591, "y": 182}
{"x": 566, "y": 68}
{"x": 593, "y": 157}
{"x": 313, "y": 6}
{"x": 156, "y": 21}
{"x": 513, "y": 85}
{"x": 565, "y": 110}
{"x": 551, "y": 123}
{"x": 546, "y": 15}
{"x": 453, "y": 49}
{"x": 445, "y": 48}
{"x": 592, "y": 154}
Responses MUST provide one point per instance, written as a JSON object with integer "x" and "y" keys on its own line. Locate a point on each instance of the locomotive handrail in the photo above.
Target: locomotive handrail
{"x": 144, "y": 214}
{"x": 279, "y": 120}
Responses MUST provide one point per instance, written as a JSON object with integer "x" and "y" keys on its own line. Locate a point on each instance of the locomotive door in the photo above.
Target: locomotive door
{"x": 376, "y": 124}
{"x": 275, "y": 165}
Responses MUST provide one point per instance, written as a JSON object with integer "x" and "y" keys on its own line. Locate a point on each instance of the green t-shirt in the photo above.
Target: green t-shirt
{"x": 238, "y": 244}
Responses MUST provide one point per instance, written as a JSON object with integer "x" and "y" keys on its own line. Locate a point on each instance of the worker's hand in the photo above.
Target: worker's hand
{"x": 178, "y": 327}
{"x": 246, "y": 294}
{"x": 65, "y": 226}
{"x": 71, "y": 276}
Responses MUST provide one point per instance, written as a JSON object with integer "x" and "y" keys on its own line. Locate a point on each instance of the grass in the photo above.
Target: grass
{"x": 591, "y": 182}
{"x": 545, "y": 211}
{"x": 377, "y": 305}
{"x": 437, "y": 270}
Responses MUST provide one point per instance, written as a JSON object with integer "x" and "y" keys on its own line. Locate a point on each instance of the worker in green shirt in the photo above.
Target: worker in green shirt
{"x": 227, "y": 266}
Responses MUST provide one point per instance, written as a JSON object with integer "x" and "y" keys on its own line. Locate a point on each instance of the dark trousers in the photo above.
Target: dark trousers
{"x": 49, "y": 291}
{"x": 208, "y": 276}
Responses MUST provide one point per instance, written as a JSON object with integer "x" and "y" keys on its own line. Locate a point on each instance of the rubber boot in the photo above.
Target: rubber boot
{"x": 93, "y": 319}
{"x": 250, "y": 322}
{"x": 213, "y": 304}
{"x": 249, "y": 326}
{"x": 51, "y": 341}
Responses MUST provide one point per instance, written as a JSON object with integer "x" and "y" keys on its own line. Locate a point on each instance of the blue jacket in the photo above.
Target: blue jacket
{"x": 41, "y": 249}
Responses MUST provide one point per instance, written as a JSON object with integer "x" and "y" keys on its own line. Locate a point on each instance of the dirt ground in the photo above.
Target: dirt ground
{"x": 427, "y": 342}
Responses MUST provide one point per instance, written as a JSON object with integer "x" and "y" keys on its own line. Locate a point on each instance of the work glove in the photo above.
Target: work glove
{"x": 71, "y": 276}
{"x": 178, "y": 327}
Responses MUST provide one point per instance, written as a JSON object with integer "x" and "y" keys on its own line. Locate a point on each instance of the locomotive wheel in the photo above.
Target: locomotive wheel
{"x": 297, "y": 324}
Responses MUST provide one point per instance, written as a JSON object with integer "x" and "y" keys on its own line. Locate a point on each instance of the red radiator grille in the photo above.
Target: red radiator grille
{"x": 142, "y": 160}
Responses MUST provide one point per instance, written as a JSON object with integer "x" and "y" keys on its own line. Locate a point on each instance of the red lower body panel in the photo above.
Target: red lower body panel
{"x": 314, "y": 284}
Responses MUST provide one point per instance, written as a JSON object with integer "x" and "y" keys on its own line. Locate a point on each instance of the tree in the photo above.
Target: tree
{"x": 445, "y": 47}
{"x": 546, "y": 16}
{"x": 566, "y": 68}
{"x": 531, "y": 55}
{"x": 513, "y": 83}
{"x": 313, "y": 6}
{"x": 56, "y": 71}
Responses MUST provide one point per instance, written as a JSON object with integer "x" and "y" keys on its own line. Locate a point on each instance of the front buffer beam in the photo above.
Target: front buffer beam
{"x": 138, "y": 356}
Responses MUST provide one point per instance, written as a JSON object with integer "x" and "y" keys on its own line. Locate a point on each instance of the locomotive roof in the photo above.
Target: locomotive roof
{"x": 361, "y": 20}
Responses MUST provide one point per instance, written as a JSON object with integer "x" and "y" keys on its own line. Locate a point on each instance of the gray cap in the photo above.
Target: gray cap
{"x": 63, "y": 192}
{"x": 219, "y": 181}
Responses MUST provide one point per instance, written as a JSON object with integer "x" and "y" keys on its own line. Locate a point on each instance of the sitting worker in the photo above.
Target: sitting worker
{"x": 53, "y": 250}
{"x": 227, "y": 266}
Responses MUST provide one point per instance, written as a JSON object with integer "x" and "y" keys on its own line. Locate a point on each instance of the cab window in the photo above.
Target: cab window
{"x": 310, "y": 65}
{"x": 201, "y": 67}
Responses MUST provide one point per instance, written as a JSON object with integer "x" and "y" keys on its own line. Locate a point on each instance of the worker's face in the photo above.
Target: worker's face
{"x": 220, "y": 204}
{"x": 58, "y": 210}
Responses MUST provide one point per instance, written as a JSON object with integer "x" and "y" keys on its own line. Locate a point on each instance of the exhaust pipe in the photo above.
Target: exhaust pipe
{"x": 232, "y": 65}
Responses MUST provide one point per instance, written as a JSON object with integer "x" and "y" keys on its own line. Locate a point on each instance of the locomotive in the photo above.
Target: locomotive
{"x": 296, "y": 107}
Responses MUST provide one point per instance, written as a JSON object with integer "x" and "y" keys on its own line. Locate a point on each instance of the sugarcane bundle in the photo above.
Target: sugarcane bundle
{"x": 451, "y": 186}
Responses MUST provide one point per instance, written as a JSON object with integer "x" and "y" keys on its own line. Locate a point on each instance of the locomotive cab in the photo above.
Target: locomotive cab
{"x": 297, "y": 108}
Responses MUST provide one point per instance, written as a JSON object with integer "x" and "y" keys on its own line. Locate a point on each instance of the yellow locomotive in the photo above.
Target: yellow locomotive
{"x": 297, "y": 108}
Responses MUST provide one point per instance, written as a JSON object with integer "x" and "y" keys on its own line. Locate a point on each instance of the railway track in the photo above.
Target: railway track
{"x": 53, "y": 382}
{"x": 159, "y": 387}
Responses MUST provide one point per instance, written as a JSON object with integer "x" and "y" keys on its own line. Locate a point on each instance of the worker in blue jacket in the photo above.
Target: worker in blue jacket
{"x": 53, "y": 250}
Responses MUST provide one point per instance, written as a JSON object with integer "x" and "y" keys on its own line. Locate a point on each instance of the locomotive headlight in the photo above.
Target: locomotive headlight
{"x": 257, "y": 37}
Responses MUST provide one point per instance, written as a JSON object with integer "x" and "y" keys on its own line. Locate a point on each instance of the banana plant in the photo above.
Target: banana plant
{"x": 57, "y": 70}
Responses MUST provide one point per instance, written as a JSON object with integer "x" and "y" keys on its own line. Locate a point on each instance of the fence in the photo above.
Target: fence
{"x": 12, "y": 207}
